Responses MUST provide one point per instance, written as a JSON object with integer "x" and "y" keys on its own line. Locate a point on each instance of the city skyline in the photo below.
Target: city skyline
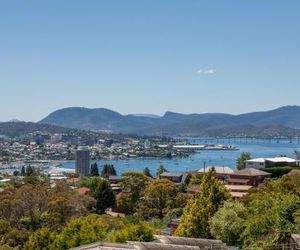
{"x": 148, "y": 56}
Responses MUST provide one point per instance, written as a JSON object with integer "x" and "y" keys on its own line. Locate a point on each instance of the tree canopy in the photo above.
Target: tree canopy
{"x": 201, "y": 208}
{"x": 241, "y": 161}
{"x": 107, "y": 170}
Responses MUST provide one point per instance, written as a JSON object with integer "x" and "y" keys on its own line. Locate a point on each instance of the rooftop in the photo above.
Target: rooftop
{"x": 274, "y": 159}
{"x": 251, "y": 172}
{"x": 218, "y": 169}
{"x": 170, "y": 174}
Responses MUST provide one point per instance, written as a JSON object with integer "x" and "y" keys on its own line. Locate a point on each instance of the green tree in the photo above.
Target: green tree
{"x": 81, "y": 231}
{"x": 297, "y": 154}
{"x": 94, "y": 169}
{"x": 227, "y": 223}
{"x": 102, "y": 192}
{"x": 161, "y": 169}
{"x": 158, "y": 198}
{"x": 23, "y": 171}
{"x": 133, "y": 184}
{"x": 147, "y": 172}
{"x": 270, "y": 219}
{"x": 108, "y": 169}
{"x": 241, "y": 161}
{"x": 30, "y": 171}
{"x": 201, "y": 208}
{"x": 133, "y": 232}
{"x": 41, "y": 239}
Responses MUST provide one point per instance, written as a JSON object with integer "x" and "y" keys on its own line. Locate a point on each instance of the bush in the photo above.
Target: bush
{"x": 133, "y": 232}
{"x": 277, "y": 171}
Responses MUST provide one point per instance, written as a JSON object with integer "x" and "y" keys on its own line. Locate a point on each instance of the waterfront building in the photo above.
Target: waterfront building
{"x": 271, "y": 162}
{"x": 82, "y": 161}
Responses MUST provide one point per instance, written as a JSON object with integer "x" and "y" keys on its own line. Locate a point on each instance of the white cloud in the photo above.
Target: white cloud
{"x": 206, "y": 71}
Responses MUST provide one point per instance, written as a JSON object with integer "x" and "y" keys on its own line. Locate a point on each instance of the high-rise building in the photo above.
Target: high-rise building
{"x": 82, "y": 161}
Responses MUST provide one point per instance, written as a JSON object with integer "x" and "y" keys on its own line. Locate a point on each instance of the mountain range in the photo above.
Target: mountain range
{"x": 283, "y": 121}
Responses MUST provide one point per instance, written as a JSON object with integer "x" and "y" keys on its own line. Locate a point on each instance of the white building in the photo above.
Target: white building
{"x": 271, "y": 162}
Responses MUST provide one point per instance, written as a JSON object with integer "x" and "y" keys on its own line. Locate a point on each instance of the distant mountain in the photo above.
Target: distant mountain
{"x": 12, "y": 129}
{"x": 282, "y": 121}
{"x": 146, "y": 115}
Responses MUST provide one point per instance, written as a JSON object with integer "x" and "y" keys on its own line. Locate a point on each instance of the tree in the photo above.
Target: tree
{"x": 94, "y": 169}
{"x": 141, "y": 231}
{"x": 241, "y": 161}
{"x": 100, "y": 189}
{"x": 270, "y": 219}
{"x": 297, "y": 154}
{"x": 41, "y": 239}
{"x": 80, "y": 231}
{"x": 30, "y": 171}
{"x": 201, "y": 208}
{"x": 108, "y": 169}
{"x": 158, "y": 198}
{"x": 133, "y": 184}
{"x": 227, "y": 223}
{"x": 23, "y": 171}
{"x": 147, "y": 172}
{"x": 161, "y": 169}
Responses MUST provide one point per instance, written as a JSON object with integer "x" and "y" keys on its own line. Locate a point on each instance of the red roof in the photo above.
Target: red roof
{"x": 82, "y": 190}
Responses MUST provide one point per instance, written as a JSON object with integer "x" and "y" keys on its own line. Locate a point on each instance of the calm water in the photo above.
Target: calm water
{"x": 257, "y": 148}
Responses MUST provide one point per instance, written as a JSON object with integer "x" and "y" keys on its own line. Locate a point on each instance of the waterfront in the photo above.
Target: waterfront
{"x": 256, "y": 147}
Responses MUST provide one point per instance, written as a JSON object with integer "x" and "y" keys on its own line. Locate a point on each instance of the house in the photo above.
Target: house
{"x": 114, "y": 179}
{"x": 271, "y": 162}
{"x": 248, "y": 176}
{"x": 238, "y": 191}
{"x": 221, "y": 173}
{"x": 177, "y": 178}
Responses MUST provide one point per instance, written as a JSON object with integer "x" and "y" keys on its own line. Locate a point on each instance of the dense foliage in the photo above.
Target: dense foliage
{"x": 241, "y": 161}
{"x": 200, "y": 209}
{"x": 277, "y": 171}
{"x": 264, "y": 218}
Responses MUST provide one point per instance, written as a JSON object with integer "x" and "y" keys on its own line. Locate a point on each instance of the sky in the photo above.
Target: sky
{"x": 148, "y": 56}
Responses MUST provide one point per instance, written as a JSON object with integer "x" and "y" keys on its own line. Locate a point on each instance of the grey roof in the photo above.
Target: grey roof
{"x": 159, "y": 246}
{"x": 202, "y": 243}
{"x": 162, "y": 243}
{"x": 218, "y": 169}
{"x": 169, "y": 174}
{"x": 251, "y": 172}
{"x": 114, "y": 177}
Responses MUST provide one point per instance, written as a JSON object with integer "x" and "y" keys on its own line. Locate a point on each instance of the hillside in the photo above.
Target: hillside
{"x": 284, "y": 121}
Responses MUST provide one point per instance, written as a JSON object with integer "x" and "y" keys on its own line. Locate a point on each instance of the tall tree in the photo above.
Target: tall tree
{"x": 241, "y": 161}
{"x": 200, "y": 209}
{"x": 94, "y": 169}
{"x": 161, "y": 169}
{"x": 108, "y": 169}
{"x": 227, "y": 223}
{"x": 102, "y": 192}
{"x": 30, "y": 171}
{"x": 147, "y": 172}
{"x": 133, "y": 184}
{"x": 23, "y": 171}
{"x": 158, "y": 198}
{"x": 297, "y": 154}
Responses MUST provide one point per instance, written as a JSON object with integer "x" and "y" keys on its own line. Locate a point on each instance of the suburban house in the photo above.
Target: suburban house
{"x": 221, "y": 173}
{"x": 238, "y": 191}
{"x": 248, "y": 176}
{"x": 271, "y": 162}
{"x": 177, "y": 178}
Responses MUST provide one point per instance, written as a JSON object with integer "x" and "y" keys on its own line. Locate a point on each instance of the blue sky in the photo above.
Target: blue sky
{"x": 141, "y": 56}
